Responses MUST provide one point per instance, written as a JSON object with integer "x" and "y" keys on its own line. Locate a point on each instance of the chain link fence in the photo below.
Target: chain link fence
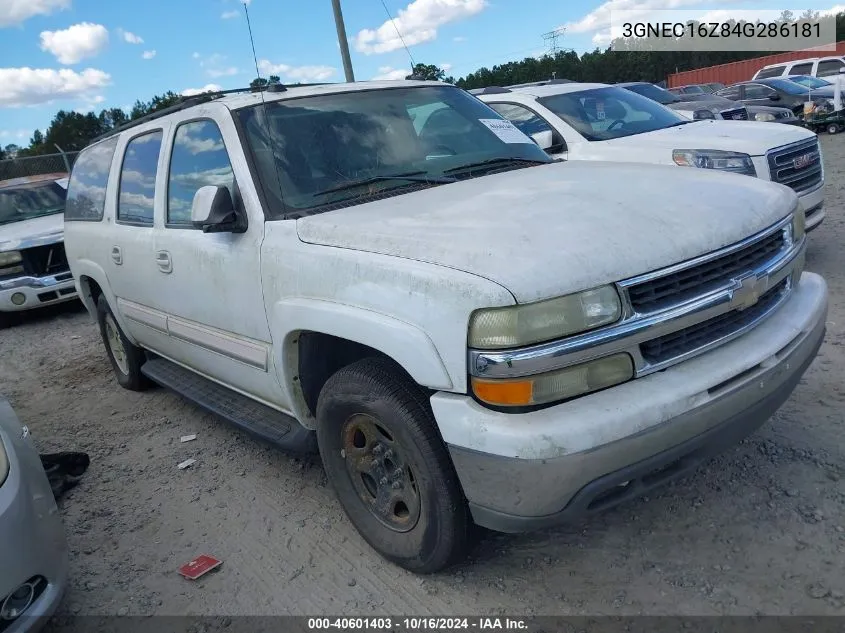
{"x": 36, "y": 165}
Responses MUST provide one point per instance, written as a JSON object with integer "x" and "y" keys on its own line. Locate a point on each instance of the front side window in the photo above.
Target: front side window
{"x": 138, "y": 179}
{"x": 31, "y": 200}
{"x": 199, "y": 159}
{"x": 608, "y": 113}
{"x": 829, "y": 67}
{"x": 318, "y": 152}
{"x": 731, "y": 92}
{"x": 801, "y": 69}
{"x": 776, "y": 71}
{"x": 86, "y": 193}
{"x": 527, "y": 121}
{"x": 758, "y": 91}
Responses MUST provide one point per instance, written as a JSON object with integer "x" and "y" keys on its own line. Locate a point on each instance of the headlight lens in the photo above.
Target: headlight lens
{"x": 734, "y": 162}
{"x": 764, "y": 116}
{"x": 556, "y": 385}
{"x": 4, "y": 464}
{"x": 703, "y": 114}
{"x": 514, "y": 326}
{"x": 10, "y": 257}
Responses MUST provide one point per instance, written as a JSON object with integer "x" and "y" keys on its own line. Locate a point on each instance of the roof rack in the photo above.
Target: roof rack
{"x": 547, "y": 82}
{"x": 490, "y": 90}
{"x": 193, "y": 100}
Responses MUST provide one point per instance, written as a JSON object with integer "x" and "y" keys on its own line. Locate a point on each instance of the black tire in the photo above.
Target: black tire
{"x": 833, "y": 128}
{"x": 128, "y": 369}
{"x": 427, "y": 526}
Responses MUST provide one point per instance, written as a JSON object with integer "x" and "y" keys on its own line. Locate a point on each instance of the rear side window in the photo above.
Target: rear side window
{"x": 199, "y": 159}
{"x": 86, "y": 193}
{"x": 829, "y": 67}
{"x": 802, "y": 69}
{"x": 731, "y": 92}
{"x": 138, "y": 179}
{"x": 777, "y": 71}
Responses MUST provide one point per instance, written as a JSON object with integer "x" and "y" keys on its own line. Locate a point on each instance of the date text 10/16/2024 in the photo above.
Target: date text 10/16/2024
{"x": 417, "y": 624}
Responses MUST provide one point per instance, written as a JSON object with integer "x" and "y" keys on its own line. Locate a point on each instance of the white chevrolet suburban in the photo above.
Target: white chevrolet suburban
{"x": 580, "y": 121}
{"x": 466, "y": 329}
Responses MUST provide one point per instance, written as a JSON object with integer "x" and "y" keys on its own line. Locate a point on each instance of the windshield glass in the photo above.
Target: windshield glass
{"x": 32, "y": 200}
{"x": 654, "y": 93}
{"x": 784, "y": 85}
{"x": 810, "y": 82}
{"x": 694, "y": 90}
{"x": 349, "y": 147}
{"x": 608, "y": 113}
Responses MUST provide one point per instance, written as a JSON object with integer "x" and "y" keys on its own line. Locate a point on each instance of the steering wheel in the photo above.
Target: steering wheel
{"x": 617, "y": 121}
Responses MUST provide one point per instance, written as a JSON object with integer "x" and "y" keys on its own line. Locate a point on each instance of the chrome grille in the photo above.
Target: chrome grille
{"x": 735, "y": 114}
{"x": 689, "y": 283}
{"x": 798, "y": 165}
{"x": 45, "y": 260}
{"x": 683, "y": 342}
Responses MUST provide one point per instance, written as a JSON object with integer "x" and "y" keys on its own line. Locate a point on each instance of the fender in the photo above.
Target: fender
{"x": 404, "y": 343}
{"x": 87, "y": 268}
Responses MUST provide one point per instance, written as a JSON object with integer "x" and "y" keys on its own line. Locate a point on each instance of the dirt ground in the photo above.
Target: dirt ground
{"x": 760, "y": 530}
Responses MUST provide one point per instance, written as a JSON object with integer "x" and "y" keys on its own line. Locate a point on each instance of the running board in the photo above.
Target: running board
{"x": 253, "y": 417}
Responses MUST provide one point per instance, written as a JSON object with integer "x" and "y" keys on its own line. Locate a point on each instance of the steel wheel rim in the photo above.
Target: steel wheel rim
{"x": 118, "y": 351}
{"x": 379, "y": 472}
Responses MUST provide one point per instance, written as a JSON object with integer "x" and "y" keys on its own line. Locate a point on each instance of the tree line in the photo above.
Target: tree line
{"x": 73, "y": 131}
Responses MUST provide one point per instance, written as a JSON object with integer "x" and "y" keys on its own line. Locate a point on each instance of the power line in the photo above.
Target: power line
{"x": 401, "y": 39}
{"x": 551, "y": 39}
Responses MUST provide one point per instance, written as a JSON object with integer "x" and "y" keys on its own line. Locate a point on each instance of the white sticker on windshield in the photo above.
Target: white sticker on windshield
{"x": 506, "y": 131}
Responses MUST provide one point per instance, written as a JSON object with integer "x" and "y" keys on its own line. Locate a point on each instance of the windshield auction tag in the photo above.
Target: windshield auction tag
{"x": 600, "y": 111}
{"x": 506, "y": 131}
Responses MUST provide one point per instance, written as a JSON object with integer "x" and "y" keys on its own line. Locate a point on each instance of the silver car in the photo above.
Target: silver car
{"x": 33, "y": 547}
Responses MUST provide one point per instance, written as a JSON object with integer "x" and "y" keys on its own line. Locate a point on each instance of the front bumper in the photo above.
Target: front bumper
{"x": 31, "y": 531}
{"x": 527, "y": 471}
{"x": 36, "y": 291}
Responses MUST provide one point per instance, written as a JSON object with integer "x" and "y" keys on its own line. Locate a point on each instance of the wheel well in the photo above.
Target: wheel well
{"x": 321, "y": 356}
{"x": 91, "y": 287}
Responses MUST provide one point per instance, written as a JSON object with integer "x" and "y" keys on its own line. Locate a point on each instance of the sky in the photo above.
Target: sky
{"x": 85, "y": 55}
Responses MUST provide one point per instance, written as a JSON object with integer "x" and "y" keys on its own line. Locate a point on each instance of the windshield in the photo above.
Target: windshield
{"x": 28, "y": 201}
{"x": 810, "y": 82}
{"x": 654, "y": 93}
{"x": 608, "y": 113}
{"x": 784, "y": 85}
{"x": 317, "y": 153}
{"x": 694, "y": 90}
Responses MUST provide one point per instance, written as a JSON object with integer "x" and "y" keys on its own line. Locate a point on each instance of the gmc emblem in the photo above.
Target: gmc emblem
{"x": 805, "y": 160}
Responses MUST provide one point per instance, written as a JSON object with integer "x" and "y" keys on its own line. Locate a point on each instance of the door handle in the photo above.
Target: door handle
{"x": 165, "y": 264}
{"x": 117, "y": 255}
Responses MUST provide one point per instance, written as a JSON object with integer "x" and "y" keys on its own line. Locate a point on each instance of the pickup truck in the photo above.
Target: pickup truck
{"x": 465, "y": 329}
{"x": 580, "y": 121}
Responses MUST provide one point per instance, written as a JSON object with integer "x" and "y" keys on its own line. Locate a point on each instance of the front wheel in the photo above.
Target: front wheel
{"x": 833, "y": 128}
{"x": 389, "y": 467}
{"x": 126, "y": 358}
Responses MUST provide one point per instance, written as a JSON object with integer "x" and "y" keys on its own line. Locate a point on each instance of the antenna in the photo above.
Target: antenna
{"x": 401, "y": 39}
{"x": 252, "y": 43}
{"x": 551, "y": 39}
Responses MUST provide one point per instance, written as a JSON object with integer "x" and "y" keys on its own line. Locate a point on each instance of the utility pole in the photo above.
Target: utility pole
{"x": 341, "y": 39}
{"x": 551, "y": 38}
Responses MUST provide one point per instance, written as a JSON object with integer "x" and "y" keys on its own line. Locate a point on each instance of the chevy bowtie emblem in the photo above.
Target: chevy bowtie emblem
{"x": 748, "y": 291}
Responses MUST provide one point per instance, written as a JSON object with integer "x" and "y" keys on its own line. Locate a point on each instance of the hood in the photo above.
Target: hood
{"x": 47, "y": 229}
{"x": 750, "y": 137}
{"x": 549, "y": 230}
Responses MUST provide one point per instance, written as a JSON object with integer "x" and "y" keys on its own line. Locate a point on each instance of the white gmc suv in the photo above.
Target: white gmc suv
{"x": 466, "y": 329}
{"x": 580, "y": 121}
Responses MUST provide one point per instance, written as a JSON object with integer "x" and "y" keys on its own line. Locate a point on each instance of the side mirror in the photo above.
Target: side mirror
{"x": 774, "y": 97}
{"x": 545, "y": 139}
{"x": 214, "y": 211}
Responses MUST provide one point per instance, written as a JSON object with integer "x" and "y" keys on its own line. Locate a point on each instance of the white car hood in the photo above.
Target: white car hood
{"x": 545, "y": 231}
{"x": 47, "y": 229}
{"x": 750, "y": 137}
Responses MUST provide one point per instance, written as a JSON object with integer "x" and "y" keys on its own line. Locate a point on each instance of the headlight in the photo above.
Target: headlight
{"x": 764, "y": 116}
{"x": 514, "y": 326}
{"x": 703, "y": 114}
{"x": 4, "y": 464}
{"x": 734, "y": 162}
{"x": 555, "y": 385}
{"x": 10, "y": 257}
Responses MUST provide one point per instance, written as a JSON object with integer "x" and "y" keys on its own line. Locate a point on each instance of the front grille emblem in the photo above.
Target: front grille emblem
{"x": 805, "y": 160}
{"x": 748, "y": 291}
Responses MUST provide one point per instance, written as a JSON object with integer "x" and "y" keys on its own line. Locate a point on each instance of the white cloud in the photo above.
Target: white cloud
{"x": 222, "y": 72}
{"x": 14, "y": 134}
{"x": 445, "y": 67}
{"x": 458, "y": 39}
{"x": 215, "y": 66}
{"x": 76, "y": 42}
{"x": 130, "y": 38}
{"x": 17, "y": 11}
{"x": 196, "y": 55}
{"x": 418, "y": 23}
{"x": 296, "y": 73}
{"x": 32, "y": 86}
{"x": 148, "y": 54}
{"x": 91, "y": 104}
{"x": 388, "y": 73}
{"x": 190, "y": 92}
{"x": 228, "y": 15}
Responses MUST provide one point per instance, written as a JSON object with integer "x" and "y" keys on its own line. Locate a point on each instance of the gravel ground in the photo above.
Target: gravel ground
{"x": 757, "y": 531}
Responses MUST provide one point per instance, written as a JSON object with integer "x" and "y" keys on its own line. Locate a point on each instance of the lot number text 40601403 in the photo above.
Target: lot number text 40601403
{"x": 417, "y": 624}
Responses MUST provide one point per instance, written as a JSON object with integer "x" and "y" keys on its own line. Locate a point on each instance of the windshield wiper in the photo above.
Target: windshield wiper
{"x": 683, "y": 123}
{"x": 496, "y": 161}
{"x": 411, "y": 176}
